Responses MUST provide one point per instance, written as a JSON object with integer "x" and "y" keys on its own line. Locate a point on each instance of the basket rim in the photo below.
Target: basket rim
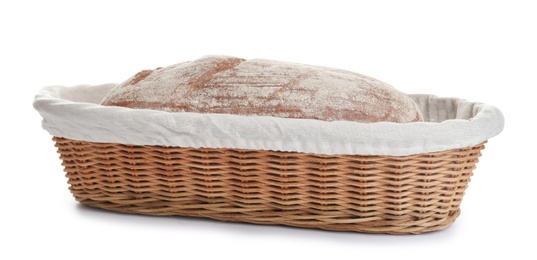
{"x": 74, "y": 112}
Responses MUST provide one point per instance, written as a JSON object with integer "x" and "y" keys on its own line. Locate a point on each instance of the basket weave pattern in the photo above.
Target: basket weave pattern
{"x": 374, "y": 194}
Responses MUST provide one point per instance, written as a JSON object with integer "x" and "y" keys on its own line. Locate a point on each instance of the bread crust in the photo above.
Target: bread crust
{"x": 257, "y": 87}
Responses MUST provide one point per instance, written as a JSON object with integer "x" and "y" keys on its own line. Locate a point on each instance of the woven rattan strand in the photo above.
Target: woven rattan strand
{"x": 373, "y": 194}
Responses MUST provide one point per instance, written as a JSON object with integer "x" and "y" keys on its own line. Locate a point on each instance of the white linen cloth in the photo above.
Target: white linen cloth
{"x": 75, "y": 113}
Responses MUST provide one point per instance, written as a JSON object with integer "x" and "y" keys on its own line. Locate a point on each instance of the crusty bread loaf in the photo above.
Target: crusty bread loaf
{"x": 222, "y": 84}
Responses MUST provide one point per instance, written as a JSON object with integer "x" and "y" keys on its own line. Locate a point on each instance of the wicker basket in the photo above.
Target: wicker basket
{"x": 365, "y": 193}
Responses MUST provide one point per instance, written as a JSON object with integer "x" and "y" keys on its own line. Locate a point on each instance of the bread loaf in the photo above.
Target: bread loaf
{"x": 230, "y": 85}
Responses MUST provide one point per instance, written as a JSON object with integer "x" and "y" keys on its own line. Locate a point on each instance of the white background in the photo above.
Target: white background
{"x": 478, "y": 50}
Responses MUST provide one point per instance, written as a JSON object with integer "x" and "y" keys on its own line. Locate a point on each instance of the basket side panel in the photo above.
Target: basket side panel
{"x": 374, "y": 194}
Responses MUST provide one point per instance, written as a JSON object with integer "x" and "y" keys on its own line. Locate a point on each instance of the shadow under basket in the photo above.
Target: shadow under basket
{"x": 373, "y": 194}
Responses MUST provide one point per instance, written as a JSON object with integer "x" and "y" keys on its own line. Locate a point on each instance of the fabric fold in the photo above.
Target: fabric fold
{"x": 75, "y": 113}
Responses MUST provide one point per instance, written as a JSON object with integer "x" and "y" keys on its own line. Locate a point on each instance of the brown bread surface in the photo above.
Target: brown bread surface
{"x": 257, "y": 87}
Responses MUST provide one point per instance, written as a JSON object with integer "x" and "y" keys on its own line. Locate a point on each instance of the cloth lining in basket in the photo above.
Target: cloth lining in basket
{"x": 450, "y": 123}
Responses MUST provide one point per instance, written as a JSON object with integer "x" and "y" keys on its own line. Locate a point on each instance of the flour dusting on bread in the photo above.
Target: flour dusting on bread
{"x": 258, "y": 87}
